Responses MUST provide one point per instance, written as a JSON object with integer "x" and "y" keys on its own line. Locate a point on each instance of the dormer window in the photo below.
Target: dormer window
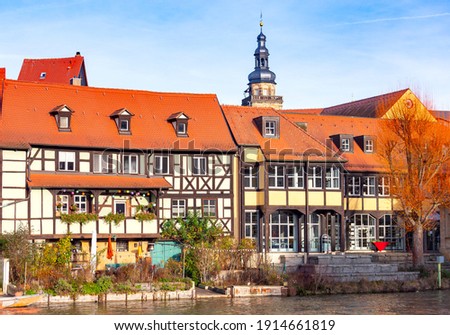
{"x": 63, "y": 115}
{"x": 122, "y": 118}
{"x": 345, "y": 144}
{"x": 368, "y": 145}
{"x": 269, "y": 126}
{"x": 180, "y": 123}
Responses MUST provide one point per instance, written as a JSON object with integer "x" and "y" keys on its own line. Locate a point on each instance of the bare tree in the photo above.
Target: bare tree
{"x": 416, "y": 151}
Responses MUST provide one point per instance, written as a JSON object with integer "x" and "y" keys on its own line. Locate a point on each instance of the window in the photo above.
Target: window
{"x": 199, "y": 166}
{"x": 315, "y": 177}
{"x": 389, "y": 231}
{"x": 251, "y": 177}
{"x": 124, "y": 125}
{"x": 384, "y": 186}
{"x": 270, "y": 129}
{"x": 295, "y": 177}
{"x": 209, "y": 208}
{"x": 362, "y": 231}
{"x": 181, "y": 128}
{"x": 63, "y": 122}
{"x": 276, "y": 176}
{"x": 62, "y": 204}
{"x": 80, "y": 201}
{"x": 101, "y": 163}
{"x": 368, "y": 146}
{"x": 161, "y": 165}
{"x": 354, "y": 186}
{"x": 345, "y": 144}
{"x": 178, "y": 208}
{"x": 251, "y": 224}
{"x": 120, "y": 207}
{"x": 130, "y": 164}
{"x": 332, "y": 178}
{"x": 43, "y": 75}
{"x": 282, "y": 231}
{"x": 122, "y": 246}
{"x": 66, "y": 161}
{"x": 369, "y": 186}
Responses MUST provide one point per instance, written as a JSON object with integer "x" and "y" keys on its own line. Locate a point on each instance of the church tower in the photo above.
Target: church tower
{"x": 261, "y": 82}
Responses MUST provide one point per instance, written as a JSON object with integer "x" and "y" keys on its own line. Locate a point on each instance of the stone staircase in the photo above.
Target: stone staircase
{"x": 349, "y": 267}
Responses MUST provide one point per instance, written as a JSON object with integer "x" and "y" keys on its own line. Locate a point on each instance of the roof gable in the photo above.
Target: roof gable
{"x": 54, "y": 70}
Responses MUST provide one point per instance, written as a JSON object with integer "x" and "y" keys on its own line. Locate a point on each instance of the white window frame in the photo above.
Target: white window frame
{"x": 161, "y": 161}
{"x": 120, "y": 202}
{"x": 369, "y": 186}
{"x": 124, "y": 122}
{"x": 270, "y": 128}
{"x": 333, "y": 178}
{"x": 178, "y": 208}
{"x": 66, "y": 157}
{"x": 65, "y": 124}
{"x": 65, "y": 203}
{"x": 80, "y": 201}
{"x": 279, "y": 241}
{"x": 315, "y": 178}
{"x": 209, "y": 206}
{"x": 354, "y": 186}
{"x": 276, "y": 176}
{"x": 368, "y": 145}
{"x": 182, "y": 130}
{"x": 384, "y": 186}
{"x": 345, "y": 144}
{"x": 202, "y": 169}
{"x": 295, "y": 177}
{"x": 251, "y": 177}
{"x": 130, "y": 158}
{"x": 101, "y": 163}
{"x": 251, "y": 224}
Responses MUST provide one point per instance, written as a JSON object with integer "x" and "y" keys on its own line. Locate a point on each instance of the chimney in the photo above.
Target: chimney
{"x": 78, "y": 54}
{"x": 2, "y": 73}
{"x": 75, "y": 81}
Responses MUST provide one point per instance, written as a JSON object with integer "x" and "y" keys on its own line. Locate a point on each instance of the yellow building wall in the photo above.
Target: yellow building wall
{"x": 384, "y": 204}
{"x": 370, "y": 204}
{"x": 316, "y": 198}
{"x": 296, "y": 198}
{"x": 354, "y": 204}
{"x": 333, "y": 198}
{"x": 254, "y": 198}
{"x": 277, "y": 198}
{"x": 253, "y": 155}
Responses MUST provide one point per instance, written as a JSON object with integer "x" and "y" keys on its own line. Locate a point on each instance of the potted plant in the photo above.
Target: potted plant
{"x": 144, "y": 213}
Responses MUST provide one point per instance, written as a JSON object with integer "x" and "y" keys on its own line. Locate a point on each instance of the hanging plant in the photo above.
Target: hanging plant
{"x": 144, "y": 216}
{"x": 81, "y": 218}
{"x": 115, "y": 218}
{"x": 74, "y": 208}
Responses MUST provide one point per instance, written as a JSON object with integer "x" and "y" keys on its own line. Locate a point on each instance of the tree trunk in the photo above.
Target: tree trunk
{"x": 418, "y": 259}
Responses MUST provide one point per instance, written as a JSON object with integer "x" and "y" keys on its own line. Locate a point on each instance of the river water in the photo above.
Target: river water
{"x": 418, "y": 303}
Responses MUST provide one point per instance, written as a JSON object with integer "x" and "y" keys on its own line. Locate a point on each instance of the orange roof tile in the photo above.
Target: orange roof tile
{"x": 325, "y": 126}
{"x": 292, "y": 144}
{"x": 371, "y": 107}
{"x": 95, "y": 181}
{"x": 26, "y": 118}
{"x": 57, "y": 70}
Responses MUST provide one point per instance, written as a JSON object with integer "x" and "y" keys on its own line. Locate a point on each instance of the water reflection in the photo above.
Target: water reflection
{"x": 420, "y": 303}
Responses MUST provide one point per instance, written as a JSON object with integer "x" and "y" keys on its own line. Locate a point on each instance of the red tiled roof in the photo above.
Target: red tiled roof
{"x": 57, "y": 70}
{"x": 371, "y": 107}
{"x": 26, "y": 118}
{"x": 292, "y": 144}
{"x": 95, "y": 181}
{"x": 323, "y": 127}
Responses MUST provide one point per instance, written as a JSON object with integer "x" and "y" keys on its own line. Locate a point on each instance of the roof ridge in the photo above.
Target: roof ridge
{"x": 368, "y": 99}
{"x": 107, "y": 89}
{"x": 52, "y": 58}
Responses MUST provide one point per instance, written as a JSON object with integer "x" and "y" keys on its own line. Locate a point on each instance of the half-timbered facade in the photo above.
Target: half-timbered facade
{"x": 71, "y": 149}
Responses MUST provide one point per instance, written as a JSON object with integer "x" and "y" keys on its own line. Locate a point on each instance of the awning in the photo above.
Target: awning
{"x": 38, "y": 180}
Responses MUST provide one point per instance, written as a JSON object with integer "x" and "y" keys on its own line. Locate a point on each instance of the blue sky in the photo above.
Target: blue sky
{"x": 323, "y": 52}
